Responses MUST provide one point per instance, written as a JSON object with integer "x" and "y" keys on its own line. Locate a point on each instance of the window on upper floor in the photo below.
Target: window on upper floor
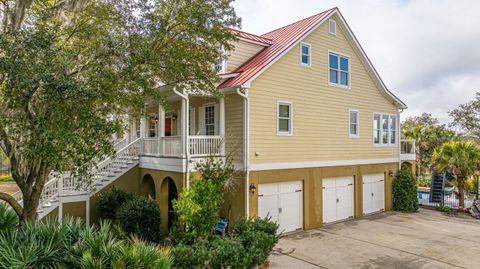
{"x": 332, "y": 27}
{"x": 219, "y": 66}
{"x": 339, "y": 70}
{"x": 284, "y": 118}
{"x": 353, "y": 123}
{"x": 305, "y": 54}
{"x": 385, "y": 129}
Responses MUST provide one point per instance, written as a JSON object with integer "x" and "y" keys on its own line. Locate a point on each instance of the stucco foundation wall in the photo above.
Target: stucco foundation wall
{"x": 313, "y": 188}
{"x": 233, "y": 206}
{"x": 75, "y": 210}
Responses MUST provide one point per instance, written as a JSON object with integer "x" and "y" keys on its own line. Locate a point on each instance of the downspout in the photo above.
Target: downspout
{"x": 185, "y": 116}
{"x": 400, "y": 111}
{"x": 246, "y": 145}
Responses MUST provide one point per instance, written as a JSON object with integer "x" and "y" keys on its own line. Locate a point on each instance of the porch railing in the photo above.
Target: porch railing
{"x": 150, "y": 146}
{"x": 407, "y": 146}
{"x": 205, "y": 145}
{"x": 172, "y": 146}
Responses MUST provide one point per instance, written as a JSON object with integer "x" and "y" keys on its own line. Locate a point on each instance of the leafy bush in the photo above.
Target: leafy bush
{"x": 110, "y": 201}
{"x": 7, "y": 177}
{"x": 405, "y": 192}
{"x": 248, "y": 244}
{"x": 140, "y": 216}
{"x": 471, "y": 184}
{"x": 71, "y": 245}
{"x": 198, "y": 209}
{"x": 423, "y": 181}
{"x": 8, "y": 218}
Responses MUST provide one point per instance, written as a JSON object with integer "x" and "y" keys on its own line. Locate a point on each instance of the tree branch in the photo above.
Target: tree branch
{"x": 12, "y": 202}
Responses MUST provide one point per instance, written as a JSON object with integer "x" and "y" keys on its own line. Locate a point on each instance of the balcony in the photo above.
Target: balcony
{"x": 171, "y": 146}
{"x": 407, "y": 150}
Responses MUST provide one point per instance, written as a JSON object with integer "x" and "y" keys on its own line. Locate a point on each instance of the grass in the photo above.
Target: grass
{"x": 7, "y": 177}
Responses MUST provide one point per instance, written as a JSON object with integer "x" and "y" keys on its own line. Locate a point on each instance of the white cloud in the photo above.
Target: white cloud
{"x": 427, "y": 52}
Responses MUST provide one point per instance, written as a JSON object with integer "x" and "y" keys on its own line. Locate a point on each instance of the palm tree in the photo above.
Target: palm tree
{"x": 461, "y": 158}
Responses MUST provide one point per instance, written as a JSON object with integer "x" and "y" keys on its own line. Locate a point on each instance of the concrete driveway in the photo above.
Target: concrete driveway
{"x": 426, "y": 239}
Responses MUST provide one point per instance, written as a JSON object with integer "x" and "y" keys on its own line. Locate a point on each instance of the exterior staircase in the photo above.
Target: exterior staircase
{"x": 437, "y": 185}
{"x": 63, "y": 185}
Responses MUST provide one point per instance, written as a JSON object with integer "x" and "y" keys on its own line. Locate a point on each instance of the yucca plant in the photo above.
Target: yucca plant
{"x": 8, "y": 218}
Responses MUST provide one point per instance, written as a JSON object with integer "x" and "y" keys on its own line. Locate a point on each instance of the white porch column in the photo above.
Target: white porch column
{"x": 183, "y": 129}
{"x": 143, "y": 128}
{"x": 161, "y": 128}
{"x": 222, "y": 125}
{"x": 126, "y": 122}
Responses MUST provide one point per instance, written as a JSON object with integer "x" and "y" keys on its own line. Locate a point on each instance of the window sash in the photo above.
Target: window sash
{"x": 354, "y": 123}
{"x": 339, "y": 69}
{"x": 305, "y": 56}
{"x": 385, "y": 129}
{"x": 284, "y": 123}
{"x": 209, "y": 120}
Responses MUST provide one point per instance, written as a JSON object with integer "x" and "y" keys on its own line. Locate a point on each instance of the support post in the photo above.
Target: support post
{"x": 126, "y": 122}
{"x": 222, "y": 125}
{"x": 161, "y": 128}
{"x": 87, "y": 209}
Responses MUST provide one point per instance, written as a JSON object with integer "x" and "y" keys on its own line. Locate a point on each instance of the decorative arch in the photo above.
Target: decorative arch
{"x": 169, "y": 193}
{"x": 148, "y": 187}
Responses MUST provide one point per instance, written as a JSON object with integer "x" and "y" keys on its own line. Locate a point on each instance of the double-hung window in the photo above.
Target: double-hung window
{"x": 339, "y": 70}
{"x": 210, "y": 120}
{"x": 284, "y": 118}
{"x": 385, "y": 129}
{"x": 305, "y": 54}
{"x": 353, "y": 123}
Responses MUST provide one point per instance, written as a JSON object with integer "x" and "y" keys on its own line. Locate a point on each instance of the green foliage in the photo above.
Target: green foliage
{"x": 221, "y": 172}
{"x": 110, "y": 201}
{"x": 8, "y": 218}
{"x": 460, "y": 157}
{"x": 140, "y": 216}
{"x": 471, "y": 183}
{"x": 67, "y": 66}
{"x": 405, "y": 192}
{"x": 428, "y": 134}
{"x": 442, "y": 208}
{"x": 466, "y": 118}
{"x": 7, "y": 177}
{"x": 249, "y": 244}
{"x": 71, "y": 245}
{"x": 423, "y": 181}
{"x": 197, "y": 208}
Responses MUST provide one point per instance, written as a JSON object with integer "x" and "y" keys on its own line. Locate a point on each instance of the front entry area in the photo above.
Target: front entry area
{"x": 373, "y": 193}
{"x": 283, "y": 202}
{"x": 338, "y": 199}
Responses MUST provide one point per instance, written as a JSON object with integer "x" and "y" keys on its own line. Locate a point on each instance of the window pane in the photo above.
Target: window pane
{"x": 344, "y": 64}
{"x": 376, "y": 136}
{"x": 353, "y": 116}
{"x": 305, "y": 49}
{"x": 284, "y": 125}
{"x": 332, "y": 27}
{"x": 344, "y": 78}
{"x": 333, "y": 59}
{"x": 376, "y": 121}
{"x": 305, "y": 59}
{"x": 393, "y": 137}
{"x": 393, "y": 123}
{"x": 353, "y": 129}
{"x": 284, "y": 111}
{"x": 333, "y": 76}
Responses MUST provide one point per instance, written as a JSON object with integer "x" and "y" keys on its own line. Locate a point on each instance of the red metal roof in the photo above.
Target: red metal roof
{"x": 252, "y": 37}
{"x": 282, "y": 38}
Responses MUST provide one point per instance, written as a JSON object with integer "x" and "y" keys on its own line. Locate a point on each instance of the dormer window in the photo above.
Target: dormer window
{"x": 332, "y": 27}
{"x": 305, "y": 54}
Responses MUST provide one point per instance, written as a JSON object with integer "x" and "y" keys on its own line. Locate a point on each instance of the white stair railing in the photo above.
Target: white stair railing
{"x": 103, "y": 173}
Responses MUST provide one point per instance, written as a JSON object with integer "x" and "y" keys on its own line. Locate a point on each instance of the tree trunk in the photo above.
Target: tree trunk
{"x": 461, "y": 190}
{"x": 32, "y": 195}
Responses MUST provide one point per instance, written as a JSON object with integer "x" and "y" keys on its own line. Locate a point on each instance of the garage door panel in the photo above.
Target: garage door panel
{"x": 267, "y": 189}
{"x": 329, "y": 205}
{"x": 268, "y": 206}
{"x": 328, "y": 183}
{"x": 291, "y": 215}
{"x": 345, "y": 202}
{"x": 373, "y": 193}
{"x": 338, "y": 199}
{"x": 289, "y": 187}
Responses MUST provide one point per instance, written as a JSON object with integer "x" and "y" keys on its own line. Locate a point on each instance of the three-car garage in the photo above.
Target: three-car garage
{"x": 340, "y": 198}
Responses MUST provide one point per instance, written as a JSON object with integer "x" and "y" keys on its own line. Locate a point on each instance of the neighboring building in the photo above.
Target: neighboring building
{"x": 305, "y": 115}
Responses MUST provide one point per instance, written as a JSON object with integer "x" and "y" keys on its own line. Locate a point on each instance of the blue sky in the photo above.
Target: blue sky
{"x": 427, "y": 52}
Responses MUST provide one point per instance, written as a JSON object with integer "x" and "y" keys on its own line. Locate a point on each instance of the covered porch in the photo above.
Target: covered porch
{"x": 192, "y": 126}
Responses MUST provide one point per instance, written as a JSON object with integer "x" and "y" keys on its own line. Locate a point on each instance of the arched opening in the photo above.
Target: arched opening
{"x": 172, "y": 195}
{"x": 148, "y": 187}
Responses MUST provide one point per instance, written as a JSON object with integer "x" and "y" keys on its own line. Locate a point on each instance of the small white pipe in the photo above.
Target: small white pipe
{"x": 185, "y": 132}
{"x": 246, "y": 147}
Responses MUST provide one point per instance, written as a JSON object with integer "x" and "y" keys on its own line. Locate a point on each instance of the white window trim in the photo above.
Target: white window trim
{"x": 397, "y": 126}
{"x": 204, "y": 116}
{"x": 358, "y": 123}
{"x": 349, "y": 70}
{"x": 309, "y": 54}
{"x": 279, "y": 133}
{"x": 335, "y": 23}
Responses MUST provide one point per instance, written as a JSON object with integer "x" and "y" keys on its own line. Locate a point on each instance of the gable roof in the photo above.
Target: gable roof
{"x": 248, "y": 37}
{"x": 285, "y": 38}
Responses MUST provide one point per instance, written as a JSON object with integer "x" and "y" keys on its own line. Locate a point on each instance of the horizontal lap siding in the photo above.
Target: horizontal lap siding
{"x": 234, "y": 127}
{"x": 320, "y": 111}
{"x": 240, "y": 54}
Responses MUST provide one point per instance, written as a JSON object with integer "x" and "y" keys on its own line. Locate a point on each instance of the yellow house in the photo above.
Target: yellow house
{"x": 304, "y": 114}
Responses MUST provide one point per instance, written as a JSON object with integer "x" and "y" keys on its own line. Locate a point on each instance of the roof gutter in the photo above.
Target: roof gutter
{"x": 246, "y": 131}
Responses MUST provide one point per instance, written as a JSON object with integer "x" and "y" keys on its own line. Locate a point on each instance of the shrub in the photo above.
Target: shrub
{"x": 197, "y": 208}
{"x": 110, "y": 201}
{"x": 72, "y": 245}
{"x": 140, "y": 216}
{"x": 8, "y": 218}
{"x": 405, "y": 192}
{"x": 471, "y": 184}
{"x": 423, "y": 181}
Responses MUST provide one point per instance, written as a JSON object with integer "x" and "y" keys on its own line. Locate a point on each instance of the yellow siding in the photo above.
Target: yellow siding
{"x": 234, "y": 127}
{"x": 241, "y": 53}
{"x": 320, "y": 111}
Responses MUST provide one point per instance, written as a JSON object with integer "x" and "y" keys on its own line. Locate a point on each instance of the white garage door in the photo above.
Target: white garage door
{"x": 338, "y": 202}
{"x": 373, "y": 193}
{"x": 283, "y": 203}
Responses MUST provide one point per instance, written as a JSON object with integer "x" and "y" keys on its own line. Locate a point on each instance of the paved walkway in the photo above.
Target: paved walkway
{"x": 426, "y": 239}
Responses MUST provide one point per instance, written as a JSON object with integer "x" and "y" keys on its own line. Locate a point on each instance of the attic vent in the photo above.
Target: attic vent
{"x": 332, "y": 27}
